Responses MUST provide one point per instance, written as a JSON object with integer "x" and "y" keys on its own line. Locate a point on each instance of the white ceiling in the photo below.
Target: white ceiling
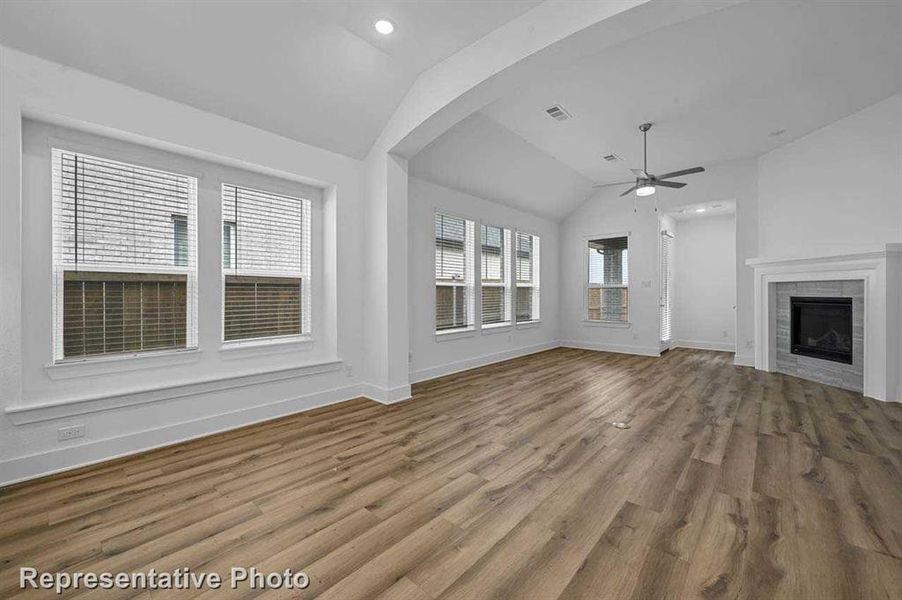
{"x": 701, "y": 210}
{"x": 715, "y": 86}
{"x": 482, "y": 158}
{"x": 316, "y": 72}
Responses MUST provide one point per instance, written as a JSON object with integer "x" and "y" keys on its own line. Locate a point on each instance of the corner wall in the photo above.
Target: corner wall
{"x": 433, "y": 357}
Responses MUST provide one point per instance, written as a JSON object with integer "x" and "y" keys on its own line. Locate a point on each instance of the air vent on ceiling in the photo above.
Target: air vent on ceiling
{"x": 612, "y": 157}
{"x": 558, "y": 113}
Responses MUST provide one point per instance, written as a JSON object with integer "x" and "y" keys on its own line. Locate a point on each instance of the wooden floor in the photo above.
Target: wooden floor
{"x": 510, "y": 482}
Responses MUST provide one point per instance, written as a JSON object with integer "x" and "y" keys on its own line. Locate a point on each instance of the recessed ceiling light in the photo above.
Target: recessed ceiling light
{"x": 778, "y": 132}
{"x": 701, "y": 210}
{"x": 384, "y": 26}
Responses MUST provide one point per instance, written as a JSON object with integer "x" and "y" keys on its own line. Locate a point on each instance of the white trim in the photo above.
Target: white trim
{"x": 704, "y": 345}
{"x": 616, "y": 324}
{"x": 478, "y": 361}
{"x": 447, "y": 335}
{"x": 529, "y": 324}
{"x": 606, "y": 347}
{"x": 881, "y": 327}
{"x": 494, "y": 328}
{"x": 74, "y": 456}
{"x": 265, "y": 346}
{"x": 120, "y": 363}
{"x": 384, "y": 395}
{"x": 58, "y": 409}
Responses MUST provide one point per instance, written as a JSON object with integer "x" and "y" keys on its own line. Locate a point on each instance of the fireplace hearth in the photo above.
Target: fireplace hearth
{"x": 821, "y": 327}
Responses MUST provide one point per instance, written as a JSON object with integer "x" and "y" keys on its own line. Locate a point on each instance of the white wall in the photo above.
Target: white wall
{"x": 607, "y": 213}
{"x": 704, "y": 277}
{"x": 432, "y": 357}
{"x": 165, "y": 401}
{"x": 836, "y": 190}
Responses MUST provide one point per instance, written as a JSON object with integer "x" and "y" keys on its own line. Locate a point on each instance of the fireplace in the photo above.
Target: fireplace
{"x": 822, "y": 328}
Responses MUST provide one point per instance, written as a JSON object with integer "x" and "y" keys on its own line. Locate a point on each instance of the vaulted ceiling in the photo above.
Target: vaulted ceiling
{"x": 313, "y": 71}
{"x": 734, "y": 83}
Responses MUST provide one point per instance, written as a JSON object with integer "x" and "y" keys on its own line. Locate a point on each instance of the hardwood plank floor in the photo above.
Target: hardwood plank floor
{"x": 507, "y": 482}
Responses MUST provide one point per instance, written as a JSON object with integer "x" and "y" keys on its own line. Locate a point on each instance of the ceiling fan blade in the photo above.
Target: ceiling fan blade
{"x": 640, "y": 174}
{"x": 681, "y": 173}
{"x": 670, "y": 184}
{"x": 629, "y": 191}
{"x": 601, "y": 185}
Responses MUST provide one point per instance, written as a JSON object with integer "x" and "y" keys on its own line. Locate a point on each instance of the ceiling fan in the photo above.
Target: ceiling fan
{"x": 646, "y": 182}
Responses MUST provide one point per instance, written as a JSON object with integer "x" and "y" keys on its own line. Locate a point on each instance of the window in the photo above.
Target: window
{"x": 124, "y": 257}
{"x": 266, "y": 264}
{"x": 527, "y": 277}
{"x": 608, "y": 278}
{"x": 496, "y": 250}
{"x": 454, "y": 277}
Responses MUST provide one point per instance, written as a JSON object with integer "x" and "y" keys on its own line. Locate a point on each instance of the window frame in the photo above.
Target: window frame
{"x": 131, "y": 154}
{"x": 309, "y": 287}
{"x": 587, "y": 285}
{"x": 535, "y": 284}
{"x": 508, "y": 235}
{"x": 473, "y": 284}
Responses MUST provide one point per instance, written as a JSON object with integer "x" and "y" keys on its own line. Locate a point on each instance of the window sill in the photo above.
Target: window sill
{"x": 121, "y": 363}
{"x": 454, "y": 334}
{"x": 615, "y": 324}
{"x": 496, "y": 328}
{"x": 528, "y": 324}
{"x": 265, "y": 346}
{"x": 69, "y": 407}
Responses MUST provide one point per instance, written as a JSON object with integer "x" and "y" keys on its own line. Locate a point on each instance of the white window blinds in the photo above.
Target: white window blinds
{"x": 666, "y": 286}
{"x": 454, "y": 272}
{"x": 496, "y": 252}
{"x": 527, "y": 273}
{"x": 124, "y": 257}
{"x": 608, "y": 280}
{"x": 266, "y": 264}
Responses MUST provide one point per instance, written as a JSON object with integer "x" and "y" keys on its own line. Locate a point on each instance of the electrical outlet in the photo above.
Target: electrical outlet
{"x": 64, "y": 434}
{"x": 349, "y": 370}
{"x": 724, "y": 333}
{"x": 749, "y": 344}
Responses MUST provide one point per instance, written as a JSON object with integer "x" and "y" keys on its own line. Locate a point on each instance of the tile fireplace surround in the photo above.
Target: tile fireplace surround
{"x": 879, "y": 272}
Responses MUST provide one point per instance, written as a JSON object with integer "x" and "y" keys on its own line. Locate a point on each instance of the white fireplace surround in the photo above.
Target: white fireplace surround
{"x": 881, "y": 271}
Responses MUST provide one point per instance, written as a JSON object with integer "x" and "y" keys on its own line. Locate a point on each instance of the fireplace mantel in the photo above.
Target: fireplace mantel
{"x": 881, "y": 271}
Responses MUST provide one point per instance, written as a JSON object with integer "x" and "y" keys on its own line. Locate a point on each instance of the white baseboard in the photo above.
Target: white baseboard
{"x": 618, "y": 348}
{"x": 744, "y": 360}
{"x": 705, "y": 345}
{"x": 385, "y": 395}
{"x": 63, "y": 459}
{"x": 478, "y": 361}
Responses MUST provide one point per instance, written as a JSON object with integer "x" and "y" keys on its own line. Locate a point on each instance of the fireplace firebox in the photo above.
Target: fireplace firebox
{"x": 822, "y": 328}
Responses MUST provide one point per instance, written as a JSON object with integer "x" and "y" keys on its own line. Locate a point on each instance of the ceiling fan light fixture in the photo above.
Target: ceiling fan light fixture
{"x": 645, "y": 190}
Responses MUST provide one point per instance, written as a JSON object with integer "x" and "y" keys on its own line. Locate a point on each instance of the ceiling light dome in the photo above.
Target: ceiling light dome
{"x": 384, "y": 26}
{"x": 645, "y": 190}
